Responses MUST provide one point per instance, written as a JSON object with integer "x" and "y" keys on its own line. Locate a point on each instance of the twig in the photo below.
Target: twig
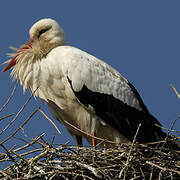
{"x": 90, "y": 168}
{"x": 170, "y": 130}
{"x": 134, "y": 140}
{"x": 162, "y": 168}
{"x": 10, "y": 97}
{"x": 19, "y": 156}
{"x": 9, "y": 155}
{"x": 105, "y": 140}
{"x": 17, "y": 115}
{"x": 173, "y": 122}
{"x": 5, "y": 175}
{"x": 129, "y": 154}
{"x": 23, "y": 140}
{"x": 30, "y": 144}
{"x": 9, "y": 115}
{"x": 43, "y": 154}
{"x": 23, "y": 154}
{"x": 20, "y": 126}
{"x": 167, "y": 129}
{"x": 178, "y": 95}
{"x": 32, "y": 151}
{"x": 175, "y": 91}
{"x": 50, "y": 121}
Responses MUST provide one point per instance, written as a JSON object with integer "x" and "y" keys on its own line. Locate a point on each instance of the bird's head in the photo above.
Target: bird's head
{"x": 45, "y": 35}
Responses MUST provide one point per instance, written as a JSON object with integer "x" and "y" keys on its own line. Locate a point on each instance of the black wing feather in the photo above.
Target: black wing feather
{"x": 121, "y": 116}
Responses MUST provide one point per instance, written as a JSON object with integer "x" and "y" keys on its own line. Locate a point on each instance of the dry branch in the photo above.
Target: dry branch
{"x": 20, "y": 127}
{"x": 19, "y": 112}
{"x": 10, "y": 97}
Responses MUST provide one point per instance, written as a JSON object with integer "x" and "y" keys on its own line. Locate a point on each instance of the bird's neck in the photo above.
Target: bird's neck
{"x": 27, "y": 71}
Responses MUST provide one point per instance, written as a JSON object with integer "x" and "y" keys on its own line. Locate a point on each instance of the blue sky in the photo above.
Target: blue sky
{"x": 141, "y": 39}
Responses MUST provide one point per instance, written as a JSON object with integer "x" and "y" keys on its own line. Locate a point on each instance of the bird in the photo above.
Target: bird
{"x": 92, "y": 99}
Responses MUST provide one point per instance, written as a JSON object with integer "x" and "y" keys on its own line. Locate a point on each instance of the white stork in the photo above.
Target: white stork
{"x": 84, "y": 93}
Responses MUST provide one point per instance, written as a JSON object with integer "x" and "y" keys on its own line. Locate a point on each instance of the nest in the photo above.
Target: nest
{"x": 39, "y": 159}
{"x": 71, "y": 162}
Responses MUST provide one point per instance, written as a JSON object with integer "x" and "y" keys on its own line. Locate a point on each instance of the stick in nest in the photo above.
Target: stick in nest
{"x": 10, "y": 97}
{"x": 19, "y": 112}
{"x": 20, "y": 127}
{"x": 50, "y": 121}
{"x": 129, "y": 154}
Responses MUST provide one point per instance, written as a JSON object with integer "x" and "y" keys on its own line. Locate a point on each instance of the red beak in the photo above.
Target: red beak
{"x": 28, "y": 45}
{"x": 10, "y": 64}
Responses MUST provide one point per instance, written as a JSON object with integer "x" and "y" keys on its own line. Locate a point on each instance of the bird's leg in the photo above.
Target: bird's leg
{"x": 93, "y": 140}
{"x": 79, "y": 141}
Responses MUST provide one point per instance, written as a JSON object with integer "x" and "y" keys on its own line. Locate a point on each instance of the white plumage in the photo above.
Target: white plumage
{"x": 80, "y": 89}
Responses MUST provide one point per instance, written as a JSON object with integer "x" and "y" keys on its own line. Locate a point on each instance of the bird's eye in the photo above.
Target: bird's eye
{"x": 42, "y": 31}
